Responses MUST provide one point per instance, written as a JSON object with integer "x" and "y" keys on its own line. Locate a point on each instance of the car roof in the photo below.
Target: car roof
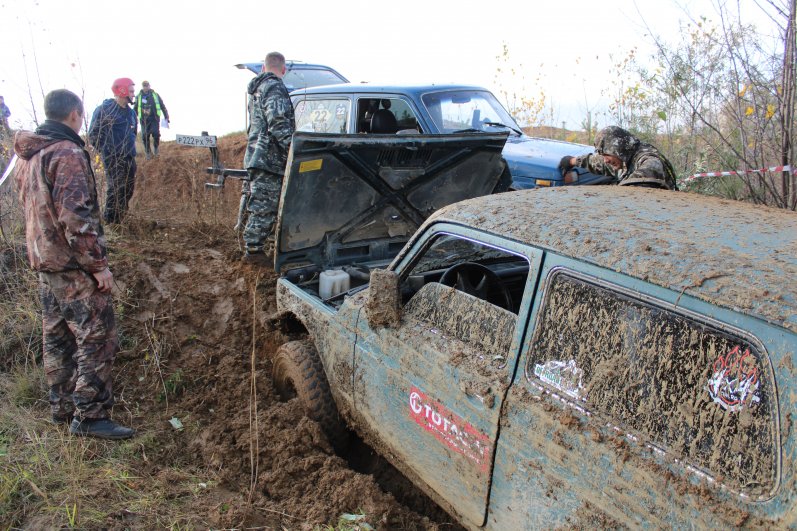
{"x": 256, "y": 66}
{"x": 730, "y": 253}
{"x": 359, "y": 88}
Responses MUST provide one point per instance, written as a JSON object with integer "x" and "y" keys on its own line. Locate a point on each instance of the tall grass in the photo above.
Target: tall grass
{"x": 48, "y": 478}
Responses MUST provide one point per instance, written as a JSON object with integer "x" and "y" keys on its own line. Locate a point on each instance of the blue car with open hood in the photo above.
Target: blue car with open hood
{"x": 365, "y": 108}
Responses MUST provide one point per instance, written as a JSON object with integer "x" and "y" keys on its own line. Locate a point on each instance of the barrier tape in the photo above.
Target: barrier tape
{"x": 724, "y": 173}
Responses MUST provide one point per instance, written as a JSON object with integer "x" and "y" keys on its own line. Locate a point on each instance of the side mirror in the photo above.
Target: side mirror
{"x": 383, "y": 308}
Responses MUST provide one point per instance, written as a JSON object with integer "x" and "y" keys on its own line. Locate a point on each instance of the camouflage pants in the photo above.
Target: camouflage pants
{"x": 265, "y": 188}
{"x": 121, "y": 174}
{"x": 80, "y": 344}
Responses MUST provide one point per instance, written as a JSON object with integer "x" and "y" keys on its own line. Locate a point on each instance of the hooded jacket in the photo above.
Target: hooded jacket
{"x": 271, "y": 124}
{"x": 113, "y": 130}
{"x": 58, "y": 192}
{"x": 643, "y": 164}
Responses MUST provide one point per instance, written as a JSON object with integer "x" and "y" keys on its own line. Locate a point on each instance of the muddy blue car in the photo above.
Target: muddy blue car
{"x": 561, "y": 357}
{"x": 349, "y": 108}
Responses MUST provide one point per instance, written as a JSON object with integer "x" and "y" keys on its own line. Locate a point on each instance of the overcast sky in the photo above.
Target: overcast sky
{"x": 187, "y": 49}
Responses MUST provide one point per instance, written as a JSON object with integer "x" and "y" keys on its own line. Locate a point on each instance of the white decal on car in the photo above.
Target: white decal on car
{"x": 734, "y": 381}
{"x": 563, "y": 375}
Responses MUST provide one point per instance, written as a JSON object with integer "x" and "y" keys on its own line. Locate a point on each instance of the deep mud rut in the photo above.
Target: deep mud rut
{"x": 195, "y": 331}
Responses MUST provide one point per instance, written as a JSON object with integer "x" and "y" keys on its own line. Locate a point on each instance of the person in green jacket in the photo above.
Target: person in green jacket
{"x": 150, "y": 108}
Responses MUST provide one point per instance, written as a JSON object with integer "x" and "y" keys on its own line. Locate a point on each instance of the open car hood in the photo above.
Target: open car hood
{"x": 349, "y": 199}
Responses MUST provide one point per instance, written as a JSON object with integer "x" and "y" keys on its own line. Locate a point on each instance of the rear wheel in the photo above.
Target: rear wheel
{"x": 298, "y": 373}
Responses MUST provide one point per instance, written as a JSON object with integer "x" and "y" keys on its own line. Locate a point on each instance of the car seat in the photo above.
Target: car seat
{"x": 384, "y": 122}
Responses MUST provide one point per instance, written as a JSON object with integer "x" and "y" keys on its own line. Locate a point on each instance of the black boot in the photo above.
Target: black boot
{"x": 100, "y": 429}
{"x": 61, "y": 418}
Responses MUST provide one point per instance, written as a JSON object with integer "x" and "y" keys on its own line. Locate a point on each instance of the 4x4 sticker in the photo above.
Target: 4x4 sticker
{"x": 450, "y": 429}
{"x": 563, "y": 375}
{"x": 734, "y": 380}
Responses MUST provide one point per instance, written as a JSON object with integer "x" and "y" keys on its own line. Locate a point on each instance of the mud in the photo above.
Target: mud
{"x": 726, "y": 252}
{"x": 383, "y": 307}
{"x": 194, "y": 322}
{"x": 621, "y": 374}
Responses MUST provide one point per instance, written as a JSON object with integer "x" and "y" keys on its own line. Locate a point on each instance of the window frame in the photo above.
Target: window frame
{"x": 403, "y": 265}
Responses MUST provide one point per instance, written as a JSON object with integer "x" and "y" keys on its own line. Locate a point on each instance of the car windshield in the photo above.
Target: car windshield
{"x": 456, "y": 110}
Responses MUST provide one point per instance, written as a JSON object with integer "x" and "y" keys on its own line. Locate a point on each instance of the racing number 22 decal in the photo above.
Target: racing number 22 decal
{"x": 450, "y": 429}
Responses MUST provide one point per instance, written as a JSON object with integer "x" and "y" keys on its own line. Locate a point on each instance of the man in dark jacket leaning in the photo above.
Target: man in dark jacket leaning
{"x": 113, "y": 132}
{"x": 271, "y": 126}
{"x": 625, "y": 160}
{"x": 66, "y": 246}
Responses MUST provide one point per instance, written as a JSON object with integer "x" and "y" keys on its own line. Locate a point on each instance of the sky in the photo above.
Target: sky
{"x": 187, "y": 49}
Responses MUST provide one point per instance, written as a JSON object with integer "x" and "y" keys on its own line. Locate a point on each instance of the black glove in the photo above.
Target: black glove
{"x": 564, "y": 164}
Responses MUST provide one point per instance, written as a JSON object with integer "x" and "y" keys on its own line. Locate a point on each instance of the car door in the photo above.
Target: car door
{"x": 431, "y": 389}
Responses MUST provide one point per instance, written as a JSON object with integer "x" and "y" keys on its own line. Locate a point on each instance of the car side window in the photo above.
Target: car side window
{"x": 322, "y": 116}
{"x": 688, "y": 387}
{"x": 401, "y": 116}
{"x": 468, "y": 290}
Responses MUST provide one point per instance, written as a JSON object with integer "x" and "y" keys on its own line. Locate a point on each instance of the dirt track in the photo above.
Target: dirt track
{"x": 196, "y": 334}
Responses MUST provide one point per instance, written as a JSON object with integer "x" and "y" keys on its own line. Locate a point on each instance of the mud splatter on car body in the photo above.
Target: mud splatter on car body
{"x": 620, "y": 354}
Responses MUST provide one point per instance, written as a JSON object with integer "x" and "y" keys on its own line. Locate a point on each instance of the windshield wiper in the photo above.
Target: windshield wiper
{"x": 499, "y": 124}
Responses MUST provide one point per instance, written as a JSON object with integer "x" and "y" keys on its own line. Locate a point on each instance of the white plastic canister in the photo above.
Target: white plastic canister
{"x": 333, "y": 282}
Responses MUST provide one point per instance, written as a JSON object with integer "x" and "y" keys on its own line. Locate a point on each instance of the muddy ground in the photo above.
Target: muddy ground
{"x": 197, "y": 347}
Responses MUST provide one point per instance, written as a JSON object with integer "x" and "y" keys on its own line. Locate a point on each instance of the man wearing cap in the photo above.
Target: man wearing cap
{"x": 150, "y": 108}
{"x": 113, "y": 132}
{"x": 625, "y": 160}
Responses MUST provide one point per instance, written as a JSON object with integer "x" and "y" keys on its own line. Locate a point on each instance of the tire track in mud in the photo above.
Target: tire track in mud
{"x": 185, "y": 311}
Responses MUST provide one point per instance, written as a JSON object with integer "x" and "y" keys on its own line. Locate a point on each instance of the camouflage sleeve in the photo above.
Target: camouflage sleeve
{"x": 277, "y": 110}
{"x": 594, "y": 163}
{"x": 648, "y": 166}
{"x": 76, "y": 207}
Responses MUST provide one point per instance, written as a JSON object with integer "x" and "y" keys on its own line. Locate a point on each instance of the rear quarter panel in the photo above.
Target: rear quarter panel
{"x": 558, "y": 464}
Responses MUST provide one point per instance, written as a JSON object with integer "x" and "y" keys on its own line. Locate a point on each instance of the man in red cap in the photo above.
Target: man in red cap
{"x": 113, "y": 132}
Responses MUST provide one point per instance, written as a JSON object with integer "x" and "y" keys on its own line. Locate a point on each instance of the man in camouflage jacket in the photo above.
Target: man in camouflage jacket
{"x": 66, "y": 246}
{"x": 271, "y": 126}
{"x": 625, "y": 160}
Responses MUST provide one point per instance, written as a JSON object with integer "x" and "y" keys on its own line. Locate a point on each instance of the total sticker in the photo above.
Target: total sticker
{"x": 450, "y": 429}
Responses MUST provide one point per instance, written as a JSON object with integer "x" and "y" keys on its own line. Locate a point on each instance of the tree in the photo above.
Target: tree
{"x": 726, "y": 94}
{"x": 526, "y": 110}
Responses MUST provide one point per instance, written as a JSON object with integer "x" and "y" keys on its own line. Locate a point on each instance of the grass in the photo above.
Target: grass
{"x": 48, "y": 478}
{"x": 351, "y": 522}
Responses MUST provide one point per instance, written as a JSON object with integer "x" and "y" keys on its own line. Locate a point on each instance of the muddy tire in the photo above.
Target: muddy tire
{"x": 298, "y": 373}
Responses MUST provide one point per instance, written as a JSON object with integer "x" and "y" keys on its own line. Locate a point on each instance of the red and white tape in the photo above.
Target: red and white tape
{"x": 723, "y": 173}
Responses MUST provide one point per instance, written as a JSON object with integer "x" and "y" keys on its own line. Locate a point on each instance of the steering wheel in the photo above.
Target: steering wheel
{"x": 479, "y": 281}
